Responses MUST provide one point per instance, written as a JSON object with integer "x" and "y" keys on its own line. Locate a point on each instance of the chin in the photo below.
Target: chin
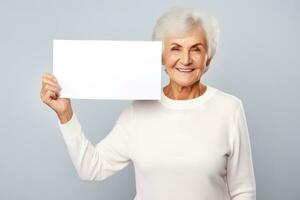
{"x": 185, "y": 83}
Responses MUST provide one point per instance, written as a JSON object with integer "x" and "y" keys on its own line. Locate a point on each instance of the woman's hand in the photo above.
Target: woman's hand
{"x": 50, "y": 93}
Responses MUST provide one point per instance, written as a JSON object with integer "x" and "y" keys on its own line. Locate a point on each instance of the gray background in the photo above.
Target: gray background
{"x": 257, "y": 61}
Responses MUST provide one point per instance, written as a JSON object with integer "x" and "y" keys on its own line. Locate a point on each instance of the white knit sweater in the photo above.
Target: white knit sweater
{"x": 195, "y": 149}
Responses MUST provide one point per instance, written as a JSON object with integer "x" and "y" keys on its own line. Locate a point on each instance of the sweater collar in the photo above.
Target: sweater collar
{"x": 187, "y": 103}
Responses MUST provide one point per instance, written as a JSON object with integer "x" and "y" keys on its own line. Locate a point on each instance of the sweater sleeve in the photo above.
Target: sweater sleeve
{"x": 240, "y": 172}
{"x": 97, "y": 162}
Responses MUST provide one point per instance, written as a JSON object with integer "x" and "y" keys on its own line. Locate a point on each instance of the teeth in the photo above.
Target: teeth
{"x": 185, "y": 70}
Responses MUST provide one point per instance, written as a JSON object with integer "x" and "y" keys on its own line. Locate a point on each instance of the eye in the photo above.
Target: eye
{"x": 196, "y": 49}
{"x": 174, "y": 49}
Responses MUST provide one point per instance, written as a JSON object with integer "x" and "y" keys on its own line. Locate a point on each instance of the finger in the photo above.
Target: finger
{"x": 47, "y": 87}
{"x": 50, "y": 82}
{"x": 52, "y": 88}
{"x": 48, "y": 96}
{"x": 50, "y": 76}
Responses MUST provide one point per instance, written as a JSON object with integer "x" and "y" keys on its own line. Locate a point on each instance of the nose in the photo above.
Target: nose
{"x": 186, "y": 58}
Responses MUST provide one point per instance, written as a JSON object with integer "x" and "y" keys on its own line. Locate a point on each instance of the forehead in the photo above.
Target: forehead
{"x": 190, "y": 37}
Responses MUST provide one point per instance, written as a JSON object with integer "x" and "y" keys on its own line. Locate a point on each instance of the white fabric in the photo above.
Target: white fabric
{"x": 195, "y": 149}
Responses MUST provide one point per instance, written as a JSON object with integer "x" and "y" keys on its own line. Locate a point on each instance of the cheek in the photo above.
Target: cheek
{"x": 199, "y": 59}
{"x": 171, "y": 60}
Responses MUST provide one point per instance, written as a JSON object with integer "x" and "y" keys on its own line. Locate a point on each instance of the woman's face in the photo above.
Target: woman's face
{"x": 185, "y": 57}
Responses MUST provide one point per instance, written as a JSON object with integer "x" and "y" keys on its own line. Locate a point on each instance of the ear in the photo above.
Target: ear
{"x": 208, "y": 61}
{"x": 162, "y": 59}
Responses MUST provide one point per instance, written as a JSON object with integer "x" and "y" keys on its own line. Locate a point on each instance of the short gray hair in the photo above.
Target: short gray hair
{"x": 179, "y": 20}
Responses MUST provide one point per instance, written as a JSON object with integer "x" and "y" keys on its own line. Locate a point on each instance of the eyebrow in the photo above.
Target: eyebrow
{"x": 191, "y": 46}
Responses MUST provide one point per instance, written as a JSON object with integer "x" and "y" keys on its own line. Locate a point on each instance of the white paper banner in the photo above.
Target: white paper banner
{"x": 93, "y": 69}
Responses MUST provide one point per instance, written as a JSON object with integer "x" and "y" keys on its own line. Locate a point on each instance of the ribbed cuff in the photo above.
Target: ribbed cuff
{"x": 70, "y": 129}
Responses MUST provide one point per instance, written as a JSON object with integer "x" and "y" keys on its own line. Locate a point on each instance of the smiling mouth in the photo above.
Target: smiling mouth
{"x": 185, "y": 70}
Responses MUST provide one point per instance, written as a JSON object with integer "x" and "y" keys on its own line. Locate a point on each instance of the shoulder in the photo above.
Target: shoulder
{"x": 227, "y": 101}
{"x": 228, "y": 97}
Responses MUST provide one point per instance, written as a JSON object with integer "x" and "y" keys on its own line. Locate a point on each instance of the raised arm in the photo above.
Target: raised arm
{"x": 92, "y": 162}
{"x": 111, "y": 154}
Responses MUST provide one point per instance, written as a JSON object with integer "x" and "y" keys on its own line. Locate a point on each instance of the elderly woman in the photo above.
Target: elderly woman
{"x": 192, "y": 144}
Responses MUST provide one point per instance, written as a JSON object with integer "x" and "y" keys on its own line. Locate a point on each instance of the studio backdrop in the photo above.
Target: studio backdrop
{"x": 257, "y": 60}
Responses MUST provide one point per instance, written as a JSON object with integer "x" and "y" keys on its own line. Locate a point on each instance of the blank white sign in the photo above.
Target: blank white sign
{"x": 93, "y": 69}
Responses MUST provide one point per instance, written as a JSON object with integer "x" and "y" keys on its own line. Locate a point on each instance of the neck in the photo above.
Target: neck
{"x": 178, "y": 92}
